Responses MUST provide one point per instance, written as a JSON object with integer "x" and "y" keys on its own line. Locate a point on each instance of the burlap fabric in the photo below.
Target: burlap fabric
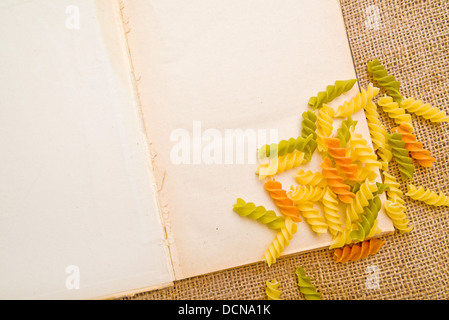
{"x": 412, "y": 40}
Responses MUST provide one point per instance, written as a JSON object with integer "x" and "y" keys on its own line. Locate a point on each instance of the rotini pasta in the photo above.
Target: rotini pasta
{"x": 277, "y": 246}
{"x": 305, "y": 193}
{"x": 324, "y": 126}
{"x": 331, "y": 211}
{"x": 395, "y": 210}
{"x": 362, "y": 197}
{"x": 378, "y": 134}
{"x": 336, "y": 182}
{"x": 362, "y": 228}
{"x": 344, "y": 162}
{"x": 259, "y": 213}
{"x": 388, "y": 82}
{"x": 283, "y": 147}
{"x": 344, "y": 132}
{"x": 358, "y": 251}
{"x": 285, "y": 204}
{"x": 394, "y": 205}
{"x": 280, "y": 164}
{"x": 314, "y": 179}
{"x": 309, "y": 128}
{"x": 393, "y": 192}
{"x": 343, "y": 237}
{"x": 357, "y": 102}
{"x": 424, "y": 110}
{"x": 272, "y": 290}
{"x": 401, "y": 155}
{"x": 312, "y": 216}
{"x": 331, "y": 92}
{"x": 364, "y": 157}
{"x": 394, "y": 111}
{"x": 306, "y": 287}
{"x": 416, "y": 149}
{"x": 427, "y": 196}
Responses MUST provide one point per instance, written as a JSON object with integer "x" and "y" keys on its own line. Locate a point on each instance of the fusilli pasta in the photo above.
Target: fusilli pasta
{"x": 259, "y": 213}
{"x": 331, "y": 92}
{"x": 388, "y": 82}
{"x": 285, "y": 204}
{"x": 427, "y": 196}
{"x": 358, "y": 251}
{"x": 358, "y": 102}
{"x": 279, "y": 243}
{"x": 272, "y": 290}
{"x": 424, "y": 110}
{"x": 417, "y": 151}
{"x": 401, "y": 155}
{"x": 306, "y": 287}
{"x": 336, "y": 182}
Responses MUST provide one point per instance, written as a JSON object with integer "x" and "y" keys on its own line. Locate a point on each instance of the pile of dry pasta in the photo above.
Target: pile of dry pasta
{"x": 350, "y": 167}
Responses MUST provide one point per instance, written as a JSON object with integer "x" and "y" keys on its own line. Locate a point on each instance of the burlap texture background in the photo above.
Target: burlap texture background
{"x": 412, "y": 41}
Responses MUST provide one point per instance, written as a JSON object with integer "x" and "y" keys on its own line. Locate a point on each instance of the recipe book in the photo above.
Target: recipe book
{"x": 128, "y": 129}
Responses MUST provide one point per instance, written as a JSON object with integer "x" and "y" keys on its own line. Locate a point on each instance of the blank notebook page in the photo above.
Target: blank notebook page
{"x": 78, "y": 215}
{"x": 207, "y": 67}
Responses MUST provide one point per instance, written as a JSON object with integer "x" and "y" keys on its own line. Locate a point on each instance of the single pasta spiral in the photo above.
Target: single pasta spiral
{"x": 314, "y": 179}
{"x": 309, "y": 128}
{"x": 331, "y": 92}
{"x": 358, "y": 102}
{"x": 259, "y": 213}
{"x": 312, "y": 216}
{"x": 365, "y": 157}
{"x": 279, "y": 243}
{"x": 417, "y": 151}
{"x": 424, "y": 110}
{"x": 362, "y": 197}
{"x": 393, "y": 193}
{"x": 305, "y": 193}
{"x": 378, "y": 134}
{"x": 395, "y": 204}
{"x": 401, "y": 155}
{"x": 341, "y": 159}
{"x": 358, "y": 251}
{"x": 306, "y": 287}
{"x": 343, "y": 237}
{"x": 283, "y": 147}
{"x": 324, "y": 126}
{"x": 285, "y": 204}
{"x": 331, "y": 211}
{"x": 388, "y": 82}
{"x": 362, "y": 228}
{"x": 344, "y": 132}
{"x": 376, "y": 128}
{"x": 280, "y": 164}
{"x": 336, "y": 182}
{"x": 427, "y": 196}
{"x": 395, "y": 210}
{"x": 394, "y": 111}
{"x": 272, "y": 291}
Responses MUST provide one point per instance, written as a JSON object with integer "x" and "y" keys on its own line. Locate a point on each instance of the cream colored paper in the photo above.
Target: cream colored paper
{"x": 78, "y": 212}
{"x": 225, "y": 65}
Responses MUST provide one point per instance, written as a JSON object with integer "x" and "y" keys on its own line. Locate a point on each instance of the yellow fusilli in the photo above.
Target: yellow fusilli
{"x": 424, "y": 110}
{"x": 279, "y": 243}
{"x": 358, "y": 102}
{"x": 324, "y": 126}
{"x": 427, "y": 196}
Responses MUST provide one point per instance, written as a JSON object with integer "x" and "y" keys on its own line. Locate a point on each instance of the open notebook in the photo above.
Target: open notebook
{"x": 108, "y": 111}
